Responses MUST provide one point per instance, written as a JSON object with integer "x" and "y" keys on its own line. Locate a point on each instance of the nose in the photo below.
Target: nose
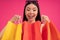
{"x": 31, "y": 11}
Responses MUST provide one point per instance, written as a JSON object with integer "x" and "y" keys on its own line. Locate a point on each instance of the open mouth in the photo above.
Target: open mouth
{"x": 31, "y": 16}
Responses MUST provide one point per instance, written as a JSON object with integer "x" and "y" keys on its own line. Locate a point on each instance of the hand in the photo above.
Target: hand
{"x": 16, "y": 18}
{"x": 44, "y": 19}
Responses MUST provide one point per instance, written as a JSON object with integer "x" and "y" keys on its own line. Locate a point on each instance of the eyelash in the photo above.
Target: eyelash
{"x": 34, "y": 10}
{"x": 29, "y": 10}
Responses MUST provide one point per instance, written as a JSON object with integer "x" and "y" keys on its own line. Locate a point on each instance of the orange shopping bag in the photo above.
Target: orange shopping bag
{"x": 50, "y": 32}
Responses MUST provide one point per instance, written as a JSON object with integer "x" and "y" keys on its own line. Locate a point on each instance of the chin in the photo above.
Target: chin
{"x": 31, "y": 19}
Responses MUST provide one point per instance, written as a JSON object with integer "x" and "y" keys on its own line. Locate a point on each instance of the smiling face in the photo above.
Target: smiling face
{"x": 31, "y": 12}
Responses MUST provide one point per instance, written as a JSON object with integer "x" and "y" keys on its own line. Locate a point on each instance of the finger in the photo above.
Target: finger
{"x": 20, "y": 20}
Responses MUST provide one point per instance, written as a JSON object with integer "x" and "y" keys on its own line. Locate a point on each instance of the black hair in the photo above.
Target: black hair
{"x": 38, "y": 17}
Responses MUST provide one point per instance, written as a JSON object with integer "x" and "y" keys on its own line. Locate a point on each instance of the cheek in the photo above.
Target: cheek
{"x": 26, "y": 13}
{"x": 36, "y": 13}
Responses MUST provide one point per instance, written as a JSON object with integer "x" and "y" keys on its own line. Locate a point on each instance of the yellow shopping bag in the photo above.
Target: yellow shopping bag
{"x": 18, "y": 32}
{"x": 9, "y": 33}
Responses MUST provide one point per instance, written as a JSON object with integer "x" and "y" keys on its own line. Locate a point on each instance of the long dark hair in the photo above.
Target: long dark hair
{"x": 38, "y": 17}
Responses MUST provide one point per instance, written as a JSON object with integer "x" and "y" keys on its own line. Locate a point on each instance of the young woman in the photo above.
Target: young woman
{"x": 33, "y": 27}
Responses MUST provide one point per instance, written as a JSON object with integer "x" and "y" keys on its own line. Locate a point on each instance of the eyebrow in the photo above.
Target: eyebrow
{"x": 33, "y": 8}
{"x": 28, "y": 7}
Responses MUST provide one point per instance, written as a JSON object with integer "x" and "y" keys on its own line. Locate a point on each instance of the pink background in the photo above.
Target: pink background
{"x": 9, "y": 8}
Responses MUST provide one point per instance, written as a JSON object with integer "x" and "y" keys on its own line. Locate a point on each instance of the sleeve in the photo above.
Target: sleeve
{"x": 50, "y": 32}
{"x": 18, "y": 35}
{"x": 9, "y": 32}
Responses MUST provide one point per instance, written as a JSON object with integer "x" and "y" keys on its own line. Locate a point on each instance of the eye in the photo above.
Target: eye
{"x": 34, "y": 10}
{"x": 28, "y": 9}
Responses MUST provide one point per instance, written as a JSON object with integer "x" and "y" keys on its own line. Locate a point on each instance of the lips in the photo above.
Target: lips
{"x": 31, "y": 16}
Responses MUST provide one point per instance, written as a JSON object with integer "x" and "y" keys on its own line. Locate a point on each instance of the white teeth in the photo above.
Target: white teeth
{"x": 30, "y": 16}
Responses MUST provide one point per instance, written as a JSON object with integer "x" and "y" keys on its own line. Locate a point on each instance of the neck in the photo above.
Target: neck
{"x": 31, "y": 21}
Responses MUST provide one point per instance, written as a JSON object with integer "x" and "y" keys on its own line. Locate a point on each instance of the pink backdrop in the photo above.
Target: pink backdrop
{"x": 8, "y": 8}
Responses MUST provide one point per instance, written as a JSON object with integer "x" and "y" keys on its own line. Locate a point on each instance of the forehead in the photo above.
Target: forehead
{"x": 31, "y": 6}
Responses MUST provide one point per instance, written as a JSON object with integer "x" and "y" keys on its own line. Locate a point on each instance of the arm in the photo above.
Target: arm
{"x": 49, "y": 29}
{"x": 44, "y": 19}
{"x": 42, "y": 25}
{"x": 11, "y": 26}
{"x": 1, "y": 33}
